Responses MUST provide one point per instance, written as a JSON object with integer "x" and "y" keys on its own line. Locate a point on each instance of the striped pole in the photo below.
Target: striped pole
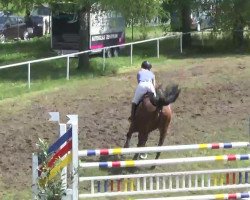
{"x": 121, "y": 151}
{"x": 138, "y": 163}
{"x": 205, "y": 197}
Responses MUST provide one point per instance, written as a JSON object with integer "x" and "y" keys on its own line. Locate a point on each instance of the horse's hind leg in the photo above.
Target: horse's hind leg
{"x": 142, "y": 139}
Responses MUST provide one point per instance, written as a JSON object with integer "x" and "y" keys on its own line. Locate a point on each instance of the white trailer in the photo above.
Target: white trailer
{"x": 105, "y": 29}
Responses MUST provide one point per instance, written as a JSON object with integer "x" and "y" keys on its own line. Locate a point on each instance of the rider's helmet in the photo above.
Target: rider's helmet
{"x": 146, "y": 65}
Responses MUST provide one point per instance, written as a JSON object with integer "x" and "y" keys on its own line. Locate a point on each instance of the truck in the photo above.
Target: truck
{"x": 106, "y": 28}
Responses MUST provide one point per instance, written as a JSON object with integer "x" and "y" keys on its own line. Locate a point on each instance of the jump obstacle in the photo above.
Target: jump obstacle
{"x": 66, "y": 148}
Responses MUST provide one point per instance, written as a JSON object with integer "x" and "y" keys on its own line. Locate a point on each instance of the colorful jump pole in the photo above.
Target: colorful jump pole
{"x": 206, "y": 197}
{"x": 138, "y": 163}
{"x": 121, "y": 151}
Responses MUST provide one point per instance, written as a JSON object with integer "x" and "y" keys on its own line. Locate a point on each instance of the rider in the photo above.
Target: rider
{"x": 146, "y": 83}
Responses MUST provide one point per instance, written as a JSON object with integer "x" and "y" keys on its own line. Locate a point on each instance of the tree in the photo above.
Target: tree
{"x": 234, "y": 16}
{"x": 136, "y": 12}
{"x": 182, "y": 8}
{"x": 230, "y": 16}
{"x": 186, "y": 22}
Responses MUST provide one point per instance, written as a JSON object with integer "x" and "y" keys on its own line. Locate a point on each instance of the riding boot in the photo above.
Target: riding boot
{"x": 133, "y": 109}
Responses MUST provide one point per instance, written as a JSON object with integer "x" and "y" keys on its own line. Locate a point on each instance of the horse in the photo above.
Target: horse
{"x": 153, "y": 113}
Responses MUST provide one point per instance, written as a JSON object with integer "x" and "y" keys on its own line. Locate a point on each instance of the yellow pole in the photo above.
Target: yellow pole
{"x": 125, "y": 185}
{"x": 215, "y": 180}
{"x": 132, "y": 184}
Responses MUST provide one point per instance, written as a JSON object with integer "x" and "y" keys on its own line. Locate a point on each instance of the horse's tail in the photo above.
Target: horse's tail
{"x": 164, "y": 98}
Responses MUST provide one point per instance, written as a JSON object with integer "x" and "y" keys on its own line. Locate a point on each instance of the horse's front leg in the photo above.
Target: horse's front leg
{"x": 163, "y": 133}
{"x": 129, "y": 135}
{"x": 142, "y": 139}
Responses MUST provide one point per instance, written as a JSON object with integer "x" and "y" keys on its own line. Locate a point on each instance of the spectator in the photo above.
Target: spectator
{"x": 28, "y": 21}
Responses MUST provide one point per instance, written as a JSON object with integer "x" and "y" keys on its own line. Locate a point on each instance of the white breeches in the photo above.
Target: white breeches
{"x": 143, "y": 88}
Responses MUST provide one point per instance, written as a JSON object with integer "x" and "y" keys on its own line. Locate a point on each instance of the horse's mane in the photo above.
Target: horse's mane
{"x": 165, "y": 97}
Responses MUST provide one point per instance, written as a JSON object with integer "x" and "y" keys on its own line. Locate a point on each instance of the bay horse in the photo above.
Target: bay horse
{"x": 153, "y": 113}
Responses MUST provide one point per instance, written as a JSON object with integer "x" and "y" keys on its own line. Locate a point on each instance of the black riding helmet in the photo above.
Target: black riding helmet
{"x": 146, "y": 65}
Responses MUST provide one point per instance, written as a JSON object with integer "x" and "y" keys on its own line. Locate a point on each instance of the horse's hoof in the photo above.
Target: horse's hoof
{"x": 143, "y": 156}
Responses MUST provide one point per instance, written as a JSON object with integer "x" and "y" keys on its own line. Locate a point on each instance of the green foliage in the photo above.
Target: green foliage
{"x": 227, "y": 13}
{"x": 140, "y": 11}
{"x": 43, "y": 150}
{"x": 49, "y": 189}
{"x": 148, "y": 32}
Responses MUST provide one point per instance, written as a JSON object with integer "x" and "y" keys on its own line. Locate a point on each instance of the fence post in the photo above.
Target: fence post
{"x": 202, "y": 42}
{"x": 18, "y": 29}
{"x": 104, "y": 59}
{"x": 73, "y": 121}
{"x": 29, "y": 75}
{"x": 44, "y": 26}
{"x": 131, "y": 54}
{"x": 181, "y": 42}
{"x": 55, "y": 117}
{"x": 249, "y": 128}
{"x": 34, "y": 175}
{"x": 158, "y": 48}
{"x": 67, "y": 77}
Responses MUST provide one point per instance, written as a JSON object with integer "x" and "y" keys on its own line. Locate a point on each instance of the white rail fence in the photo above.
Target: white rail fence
{"x": 67, "y": 56}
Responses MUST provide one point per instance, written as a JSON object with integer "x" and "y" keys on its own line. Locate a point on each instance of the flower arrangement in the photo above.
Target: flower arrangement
{"x": 48, "y": 188}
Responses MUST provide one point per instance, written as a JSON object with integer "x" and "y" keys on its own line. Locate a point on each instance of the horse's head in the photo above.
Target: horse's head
{"x": 165, "y": 97}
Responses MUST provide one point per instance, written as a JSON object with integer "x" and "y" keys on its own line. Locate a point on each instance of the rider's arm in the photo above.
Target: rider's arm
{"x": 138, "y": 76}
